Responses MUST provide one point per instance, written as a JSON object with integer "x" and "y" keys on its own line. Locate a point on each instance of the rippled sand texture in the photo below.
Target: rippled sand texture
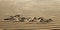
{"x": 25, "y": 29}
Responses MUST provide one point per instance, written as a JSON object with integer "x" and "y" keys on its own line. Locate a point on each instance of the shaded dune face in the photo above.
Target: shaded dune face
{"x": 44, "y": 8}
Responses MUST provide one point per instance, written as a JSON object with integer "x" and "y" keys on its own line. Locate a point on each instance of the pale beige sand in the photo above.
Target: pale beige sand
{"x": 38, "y": 8}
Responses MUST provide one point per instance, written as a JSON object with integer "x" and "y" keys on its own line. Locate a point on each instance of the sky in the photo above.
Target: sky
{"x": 38, "y": 8}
